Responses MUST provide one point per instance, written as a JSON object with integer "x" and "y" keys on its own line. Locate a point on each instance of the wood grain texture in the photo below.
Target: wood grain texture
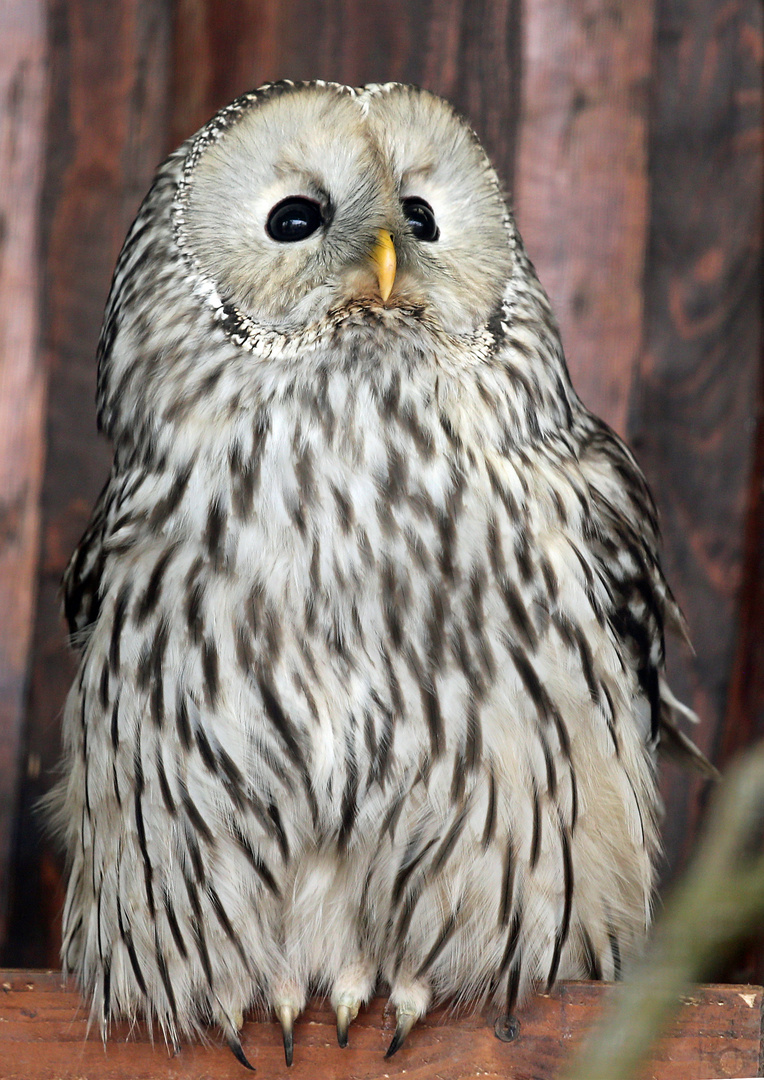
{"x": 744, "y": 720}
{"x": 581, "y": 183}
{"x": 693, "y": 405}
{"x": 22, "y": 383}
{"x": 106, "y": 134}
{"x": 43, "y": 1036}
{"x": 467, "y": 52}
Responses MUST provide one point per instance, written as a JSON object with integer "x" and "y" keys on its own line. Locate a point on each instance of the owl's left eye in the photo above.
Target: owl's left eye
{"x": 420, "y": 218}
{"x": 293, "y": 219}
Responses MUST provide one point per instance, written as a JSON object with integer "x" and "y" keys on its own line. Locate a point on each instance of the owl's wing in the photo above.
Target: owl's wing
{"x": 627, "y": 541}
{"x": 81, "y": 584}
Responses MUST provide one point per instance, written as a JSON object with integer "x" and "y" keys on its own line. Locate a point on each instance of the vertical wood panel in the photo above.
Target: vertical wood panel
{"x": 582, "y": 182}
{"x": 693, "y": 407}
{"x": 744, "y": 720}
{"x": 107, "y": 125}
{"x": 467, "y": 52}
{"x": 22, "y": 386}
{"x": 219, "y": 51}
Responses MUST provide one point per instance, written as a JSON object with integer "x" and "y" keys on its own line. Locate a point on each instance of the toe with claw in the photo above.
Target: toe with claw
{"x": 411, "y": 998}
{"x": 346, "y": 1011}
{"x": 286, "y": 1015}
{"x": 352, "y": 988}
{"x": 404, "y": 1022}
{"x": 234, "y": 1045}
{"x": 344, "y": 1019}
{"x": 232, "y": 1023}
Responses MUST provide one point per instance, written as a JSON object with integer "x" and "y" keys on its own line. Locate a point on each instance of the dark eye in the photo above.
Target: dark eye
{"x": 421, "y": 219}
{"x": 293, "y": 219}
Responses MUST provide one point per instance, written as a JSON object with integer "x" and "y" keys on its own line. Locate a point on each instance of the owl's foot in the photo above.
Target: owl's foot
{"x": 411, "y": 1001}
{"x": 352, "y": 989}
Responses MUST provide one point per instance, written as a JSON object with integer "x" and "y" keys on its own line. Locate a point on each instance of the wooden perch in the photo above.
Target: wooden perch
{"x": 43, "y": 1035}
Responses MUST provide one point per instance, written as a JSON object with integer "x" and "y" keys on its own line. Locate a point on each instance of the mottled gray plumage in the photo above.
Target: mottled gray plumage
{"x": 370, "y": 609}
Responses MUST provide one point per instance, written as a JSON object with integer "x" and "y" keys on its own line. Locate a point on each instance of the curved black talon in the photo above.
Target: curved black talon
{"x": 346, "y": 1014}
{"x": 286, "y": 1016}
{"x": 234, "y": 1045}
{"x": 342, "y": 1033}
{"x": 288, "y": 1047}
{"x": 395, "y": 1045}
{"x": 404, "y": 1023}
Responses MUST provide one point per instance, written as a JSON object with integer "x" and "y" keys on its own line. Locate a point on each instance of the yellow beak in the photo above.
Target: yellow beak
{"x": 383, "y": 257}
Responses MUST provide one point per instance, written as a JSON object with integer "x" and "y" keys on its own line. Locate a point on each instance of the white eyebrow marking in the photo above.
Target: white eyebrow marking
{"x": 414, "y": 174}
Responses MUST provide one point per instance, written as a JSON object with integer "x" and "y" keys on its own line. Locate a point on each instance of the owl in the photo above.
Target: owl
{"x": 370, "y": 613}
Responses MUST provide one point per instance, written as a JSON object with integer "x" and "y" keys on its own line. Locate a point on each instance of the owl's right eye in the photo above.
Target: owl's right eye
{"x": 293, "y": 219}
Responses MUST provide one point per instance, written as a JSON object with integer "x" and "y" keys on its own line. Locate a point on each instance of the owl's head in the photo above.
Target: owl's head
{"x": 301, "y": 199}
{"x": 313, "y": 224}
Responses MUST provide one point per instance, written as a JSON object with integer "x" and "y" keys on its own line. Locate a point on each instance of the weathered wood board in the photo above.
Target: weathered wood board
{"x": 44, "y": 1036}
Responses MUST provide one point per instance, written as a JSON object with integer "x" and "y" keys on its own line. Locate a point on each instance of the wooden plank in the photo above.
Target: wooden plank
{"x": 744, "y": 721}
{"x": 581, "y": 184}
{"x": 219, "y": 51}
{"x": 744, "y": 718}
{"x": 693, "y": 407}
{"x": 466, "y": 51}
{"x": 22, "y": 380}
{"x": 106, "y": 134}
{"x": 43, "y": 1035}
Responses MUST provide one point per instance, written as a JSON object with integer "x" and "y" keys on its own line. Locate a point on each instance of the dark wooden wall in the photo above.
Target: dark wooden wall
{"x": 22, "y": 383}
{"x": 630, "y": 138}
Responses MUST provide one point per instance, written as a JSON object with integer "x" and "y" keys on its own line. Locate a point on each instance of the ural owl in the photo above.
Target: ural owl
{"x": 370, "y": 610}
